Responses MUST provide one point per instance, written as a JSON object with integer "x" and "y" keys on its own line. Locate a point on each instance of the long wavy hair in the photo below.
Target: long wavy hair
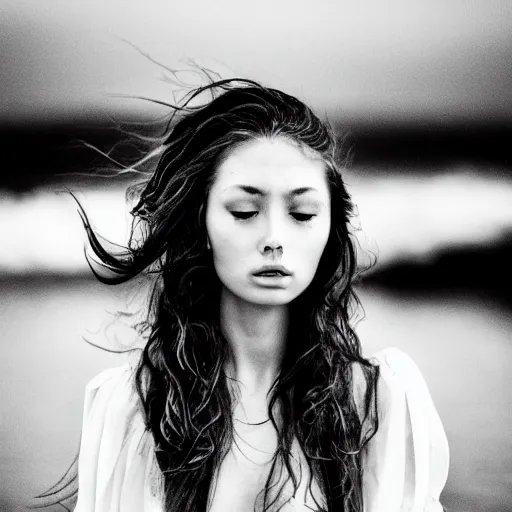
{"x": 326, "y": 389}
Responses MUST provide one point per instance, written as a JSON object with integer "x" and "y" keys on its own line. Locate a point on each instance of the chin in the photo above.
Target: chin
{"x": 271, "y": 298}
{"x": 264, "y": 296}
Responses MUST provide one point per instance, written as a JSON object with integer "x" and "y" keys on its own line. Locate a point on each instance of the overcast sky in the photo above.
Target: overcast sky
{"x": 443, "y": 60}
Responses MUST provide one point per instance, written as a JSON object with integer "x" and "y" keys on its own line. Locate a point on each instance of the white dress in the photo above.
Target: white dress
{"x": 405, "y": 465}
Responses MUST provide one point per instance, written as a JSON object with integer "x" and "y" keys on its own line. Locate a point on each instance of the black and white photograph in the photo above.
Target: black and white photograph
{"x": 255, "y": 256}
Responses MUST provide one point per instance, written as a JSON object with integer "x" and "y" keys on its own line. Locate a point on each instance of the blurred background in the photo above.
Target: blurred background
{"x": 422, "y": 93}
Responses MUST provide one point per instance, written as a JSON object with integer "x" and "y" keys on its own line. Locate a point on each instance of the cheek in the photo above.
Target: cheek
{"x": 312, "y": 248}
{"x": 313, "y": 241}
{"x": 224, "y": 252}
{"x": 227, "y": 243}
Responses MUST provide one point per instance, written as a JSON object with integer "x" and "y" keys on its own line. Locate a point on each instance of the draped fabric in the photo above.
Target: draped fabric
{"x": 405, "y": 465}
{"x": 117, "y": 470}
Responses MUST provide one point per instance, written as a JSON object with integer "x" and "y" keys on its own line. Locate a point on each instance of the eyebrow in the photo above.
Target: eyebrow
{"x": 258, "y": 192}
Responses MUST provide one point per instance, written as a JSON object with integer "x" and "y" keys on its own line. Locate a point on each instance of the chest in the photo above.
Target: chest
{"x": 241, "y": 478}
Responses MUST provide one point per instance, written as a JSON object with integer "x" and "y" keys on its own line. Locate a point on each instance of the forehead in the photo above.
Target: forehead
{"x": 273, "y": 164}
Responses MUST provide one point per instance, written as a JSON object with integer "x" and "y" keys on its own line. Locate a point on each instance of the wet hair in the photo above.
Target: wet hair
{"x": 326, "y": 389}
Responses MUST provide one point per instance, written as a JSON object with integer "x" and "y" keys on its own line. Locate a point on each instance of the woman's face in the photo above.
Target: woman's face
{"x": 268, "y": 220}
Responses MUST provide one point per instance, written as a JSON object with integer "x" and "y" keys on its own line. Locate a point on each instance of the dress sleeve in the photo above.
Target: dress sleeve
{"x": 116, "y": 467}
{"x": 405, "y": 465}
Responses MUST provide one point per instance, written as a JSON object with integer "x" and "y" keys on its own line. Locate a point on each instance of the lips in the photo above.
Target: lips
{"x": 272, "y": 271}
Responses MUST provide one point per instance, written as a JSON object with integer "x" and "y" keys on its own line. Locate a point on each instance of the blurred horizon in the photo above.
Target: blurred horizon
{"x": 429, "y": 202}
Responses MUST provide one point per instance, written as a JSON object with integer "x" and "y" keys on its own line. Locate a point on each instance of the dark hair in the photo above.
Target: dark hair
{"x": 326, "y": 388}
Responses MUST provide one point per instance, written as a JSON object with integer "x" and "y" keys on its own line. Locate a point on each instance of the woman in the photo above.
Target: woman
{"x": 251, "y": 392}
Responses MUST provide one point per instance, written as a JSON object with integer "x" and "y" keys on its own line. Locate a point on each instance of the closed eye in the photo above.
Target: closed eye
{"x": 243, "y": 215}
{"x": 303, "y": 217}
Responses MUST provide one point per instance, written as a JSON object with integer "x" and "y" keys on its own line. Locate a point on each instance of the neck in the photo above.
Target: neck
{"x": 257, "y": 337}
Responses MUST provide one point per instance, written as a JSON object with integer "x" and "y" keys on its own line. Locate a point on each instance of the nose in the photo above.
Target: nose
{"x": 272, "y": 240}
{"x": 272, "y": 247}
